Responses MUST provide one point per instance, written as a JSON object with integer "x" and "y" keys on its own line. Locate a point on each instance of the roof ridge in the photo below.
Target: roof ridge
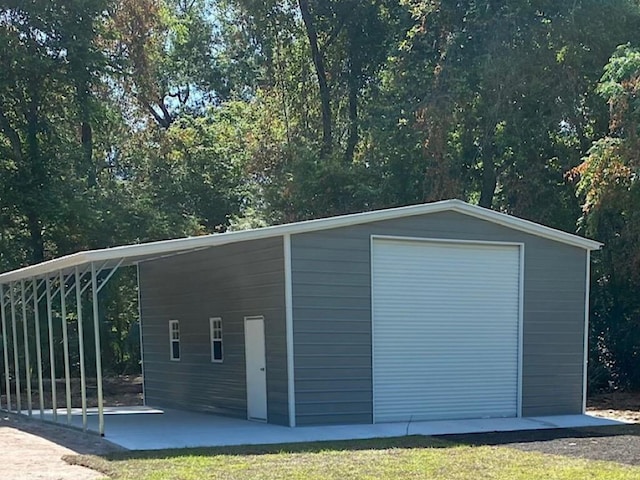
{"x": 141, "y": 251}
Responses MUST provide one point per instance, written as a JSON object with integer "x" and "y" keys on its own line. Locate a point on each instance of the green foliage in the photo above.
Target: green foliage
{"x": 608, "y": 182}
{"x": 133, "y": 120}
{"x": 491, "y": 96}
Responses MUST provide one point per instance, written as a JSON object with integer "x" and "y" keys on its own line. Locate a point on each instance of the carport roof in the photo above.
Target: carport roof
{"x": 132, "y": 254}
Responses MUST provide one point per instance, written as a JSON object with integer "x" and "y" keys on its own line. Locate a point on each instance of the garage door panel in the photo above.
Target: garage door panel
{"x": 445, "y": 330}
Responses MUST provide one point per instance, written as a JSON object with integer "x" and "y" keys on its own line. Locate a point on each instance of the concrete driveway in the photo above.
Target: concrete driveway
{"x": 143, "y": 428}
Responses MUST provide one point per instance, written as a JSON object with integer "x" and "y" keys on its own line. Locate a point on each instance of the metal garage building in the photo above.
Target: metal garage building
{"x": 436, "y": 311}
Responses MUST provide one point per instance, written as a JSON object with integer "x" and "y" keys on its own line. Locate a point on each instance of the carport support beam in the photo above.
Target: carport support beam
{"x": 83, "y": 379}
{"x": 36, "y": 316}
{"x": 5, "y": 352}
{"x": 52, "y": 358}
{"x": 140, "y": 339}
{"x": 27, "y": 359}
{"x": 65, "y": 345}
{"x": 96, "y": 331}
{"x": 14, "y": 336}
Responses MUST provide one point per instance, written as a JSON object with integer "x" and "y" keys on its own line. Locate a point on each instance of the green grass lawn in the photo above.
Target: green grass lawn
{"x": 398, "y": 458}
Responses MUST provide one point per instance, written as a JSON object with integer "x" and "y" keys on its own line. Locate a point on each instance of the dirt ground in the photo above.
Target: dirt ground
{"x": 31, "y": 449}
{"x": 619, "y": 444}
{"x": 117, "y": 391}
{"x": 623, "y": 406}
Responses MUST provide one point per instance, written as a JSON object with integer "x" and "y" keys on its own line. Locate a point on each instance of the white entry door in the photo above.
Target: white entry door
{"x": 256, "y": 368}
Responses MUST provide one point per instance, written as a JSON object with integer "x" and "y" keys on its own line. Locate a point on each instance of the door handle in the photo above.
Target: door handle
{"x": 262, "y": 369}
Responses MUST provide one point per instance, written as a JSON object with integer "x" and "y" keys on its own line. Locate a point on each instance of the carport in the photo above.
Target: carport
{"x": 62, "y": 286}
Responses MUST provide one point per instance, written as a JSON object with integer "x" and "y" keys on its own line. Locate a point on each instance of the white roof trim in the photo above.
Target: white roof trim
{"x": 142, "y": 251}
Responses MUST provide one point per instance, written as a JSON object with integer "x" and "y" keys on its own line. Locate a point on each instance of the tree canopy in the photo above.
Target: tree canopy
{"x": 133, "y": 120}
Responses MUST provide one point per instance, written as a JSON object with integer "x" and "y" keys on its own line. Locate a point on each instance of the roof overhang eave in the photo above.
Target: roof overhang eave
{"x": 132, "y": 254}
{"x": 526, "y": 226}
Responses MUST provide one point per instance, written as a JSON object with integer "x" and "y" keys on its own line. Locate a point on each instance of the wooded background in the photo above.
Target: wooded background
{"x": 126, "y": 121}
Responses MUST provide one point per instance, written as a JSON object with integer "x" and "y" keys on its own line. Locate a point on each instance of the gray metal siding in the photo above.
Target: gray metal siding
{"x": 229, "y": 281}
{"x": 331, "y": 290}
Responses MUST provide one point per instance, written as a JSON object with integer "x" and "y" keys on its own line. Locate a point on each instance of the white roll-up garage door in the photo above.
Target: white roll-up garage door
{"x": 445, "y": 330}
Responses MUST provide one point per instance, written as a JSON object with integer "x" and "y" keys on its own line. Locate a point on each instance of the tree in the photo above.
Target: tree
{"x": 124, "y": 121}
{"x": 163, "y": 52}
{"x": 49, "y": 59}
{"x": 608, "y": 184}
{"x": 496, "y": 103}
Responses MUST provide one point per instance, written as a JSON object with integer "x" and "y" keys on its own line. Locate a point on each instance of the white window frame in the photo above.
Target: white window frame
{"x": 173, "y": 340}
{"x": 215, "y": 326}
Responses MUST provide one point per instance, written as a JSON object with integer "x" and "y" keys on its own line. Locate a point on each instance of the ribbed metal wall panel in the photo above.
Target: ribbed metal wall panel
{"x": 445, "y": 330}
{"x": 232, "y": 282}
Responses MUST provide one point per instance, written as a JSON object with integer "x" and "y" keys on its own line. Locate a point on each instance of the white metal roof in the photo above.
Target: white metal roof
{"x": 131, "y": 254}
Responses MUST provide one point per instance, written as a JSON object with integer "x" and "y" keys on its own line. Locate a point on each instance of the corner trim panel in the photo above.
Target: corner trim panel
{"x": 288, "y": 300}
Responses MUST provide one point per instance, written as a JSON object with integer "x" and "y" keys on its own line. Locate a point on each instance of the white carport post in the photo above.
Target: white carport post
{"x": 36, "y": 317}
{"x": 95, "y": 289}
{"x": 140, "y": 339}
{"x": 65, "y": 345}
{"x": 3, "y": 315}
{"x": 27, "y": 359}
{"x": 96, "y": 335}
{"x": 83, "y": 380}
{"x": 52, "y": 359}
{"x": 14, "y": 335}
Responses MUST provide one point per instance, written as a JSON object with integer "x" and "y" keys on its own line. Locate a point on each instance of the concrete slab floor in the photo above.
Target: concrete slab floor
{"x": 142, "y": 428}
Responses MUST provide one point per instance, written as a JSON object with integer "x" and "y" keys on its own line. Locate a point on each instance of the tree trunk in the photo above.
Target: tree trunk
{"x": 489, "y": 181}
{"x": 35, "y": 182}
{"x": 87, "y": 152}
{"x": 83, "y": 99}
{"x": 318, "y": 62}
{"x": 80, "y": 71}
{"x": 165, "y": 120}
{"x": 35, "y": 237}
{"x": 352, "y": 139}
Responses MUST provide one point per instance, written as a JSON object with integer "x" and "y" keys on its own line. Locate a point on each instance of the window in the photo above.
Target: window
{"x": 174, "y": 339}
{"x": 216, "y": 339}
